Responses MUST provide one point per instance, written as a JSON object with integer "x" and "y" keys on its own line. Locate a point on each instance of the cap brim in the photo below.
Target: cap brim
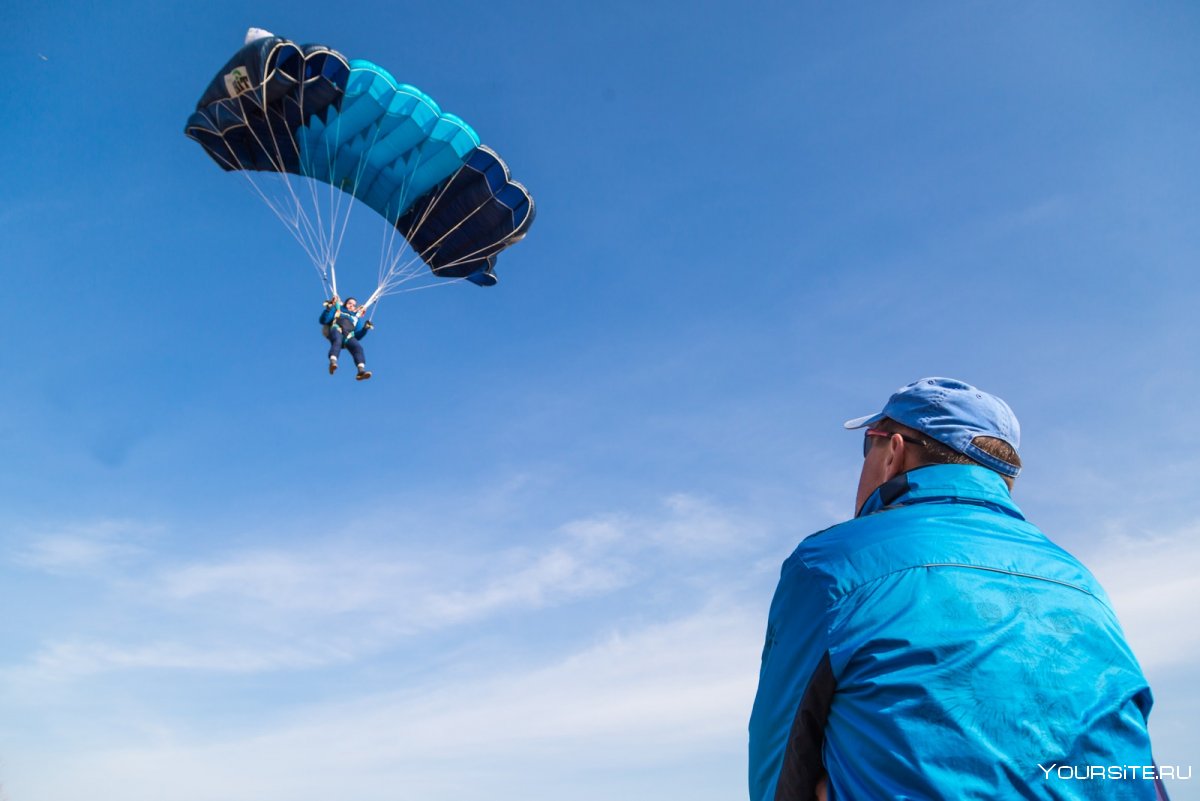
{"x": 862, "y": 422}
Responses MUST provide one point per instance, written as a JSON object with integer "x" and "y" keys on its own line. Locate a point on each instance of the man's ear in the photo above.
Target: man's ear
{"x": 896, "y": 460}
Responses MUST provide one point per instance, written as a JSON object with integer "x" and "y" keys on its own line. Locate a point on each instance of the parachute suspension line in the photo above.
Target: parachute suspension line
{"x": 455, "y": 227}
{"x": 233, "y": 166}
{"x": 390, "y": 255}
{"x": 329, "y": 258}
{"x": 290, "y": 224}
{"x": 347, "y": 198}
{"x": 325, "y": 266}
{"x": 316, "y": 231}
{"x": 400, "y": 274}
{"x": 279, "y": 169}
{"x": 392, "y": 264}
{"x": 339, "y": 205}
{"x": 308, "y": 239}
{"x": 329, "y": 252}
{"x": 395, "y": 270}
{"x": 429, "y": 210}
{"x": 392, "y": 261}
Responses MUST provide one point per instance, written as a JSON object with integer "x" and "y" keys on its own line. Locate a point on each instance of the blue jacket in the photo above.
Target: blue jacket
{"x": 939, "y": 646}
{"x": 350, "y": 323}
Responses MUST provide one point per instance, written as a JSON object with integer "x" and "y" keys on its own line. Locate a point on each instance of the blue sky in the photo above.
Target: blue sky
{"x": 534, "y": 553}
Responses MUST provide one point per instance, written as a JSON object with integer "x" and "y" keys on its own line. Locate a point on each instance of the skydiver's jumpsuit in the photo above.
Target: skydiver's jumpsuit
{"x": 344, "y": 329}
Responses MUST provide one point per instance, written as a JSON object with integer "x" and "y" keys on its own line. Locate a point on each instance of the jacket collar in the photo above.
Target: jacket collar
{"x": 943, "y": 483}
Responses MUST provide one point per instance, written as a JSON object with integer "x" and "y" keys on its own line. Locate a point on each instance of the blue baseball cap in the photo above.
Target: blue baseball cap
{"x": 954, "y": 413}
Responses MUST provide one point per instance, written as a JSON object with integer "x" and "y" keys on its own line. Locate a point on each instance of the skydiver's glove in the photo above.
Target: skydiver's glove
{"x": 370, "y": 325}
{"x": 328, "y": 304}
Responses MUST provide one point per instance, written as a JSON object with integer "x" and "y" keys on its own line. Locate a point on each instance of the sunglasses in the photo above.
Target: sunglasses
{"x": 875, "y": 432}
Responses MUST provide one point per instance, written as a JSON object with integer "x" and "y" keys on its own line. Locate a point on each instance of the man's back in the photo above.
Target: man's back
{"x": 940, "y": 646}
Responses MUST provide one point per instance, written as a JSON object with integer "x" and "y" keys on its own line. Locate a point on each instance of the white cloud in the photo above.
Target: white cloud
{"x": 79, "y": 658}
{"x": 632, "y": 702}
{"x": 698, "y": 527}
{"x": 82, "y": 548}
{"x": 559, "y": 575}
{"x": 429, "y": 590}
{"x": 320, "y": 604}
{"x": 686, "y": 525}
{"x": 1154, "y": 583}
{"x": 315, "y": 581}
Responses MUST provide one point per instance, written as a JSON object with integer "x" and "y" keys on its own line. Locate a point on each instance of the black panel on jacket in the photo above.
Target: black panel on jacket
{"x": 802, "y": 764}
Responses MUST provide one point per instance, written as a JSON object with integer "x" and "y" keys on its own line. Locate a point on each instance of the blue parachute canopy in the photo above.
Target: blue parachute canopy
{"x": 306, "y": 110}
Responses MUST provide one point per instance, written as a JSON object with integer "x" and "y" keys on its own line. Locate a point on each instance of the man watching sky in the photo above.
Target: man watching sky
{"x": 938, "y": 645}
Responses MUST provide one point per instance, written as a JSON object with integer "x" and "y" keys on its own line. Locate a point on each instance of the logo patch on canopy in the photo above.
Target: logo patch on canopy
{"x": 237, "y": 82}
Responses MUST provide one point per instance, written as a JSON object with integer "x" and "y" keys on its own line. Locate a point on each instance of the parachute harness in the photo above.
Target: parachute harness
{"x": 337, "y": 315}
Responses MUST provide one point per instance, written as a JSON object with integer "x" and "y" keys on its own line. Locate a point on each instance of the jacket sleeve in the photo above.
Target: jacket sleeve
{"x": 327, "y": 315}
{"x": 795, "y": 690}
{"x": 361, "y": 331}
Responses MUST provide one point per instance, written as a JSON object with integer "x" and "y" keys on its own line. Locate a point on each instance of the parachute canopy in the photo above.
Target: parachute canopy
{"x": 305, "y": 110}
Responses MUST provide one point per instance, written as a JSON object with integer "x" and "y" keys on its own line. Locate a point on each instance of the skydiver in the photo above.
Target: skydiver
{"x": 344, "y": 328}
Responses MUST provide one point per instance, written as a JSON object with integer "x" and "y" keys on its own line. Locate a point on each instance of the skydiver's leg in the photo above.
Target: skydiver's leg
{"x": 360, "y": 359}
{"x": 356, "y": 350}
{"x": 335, "y": 347}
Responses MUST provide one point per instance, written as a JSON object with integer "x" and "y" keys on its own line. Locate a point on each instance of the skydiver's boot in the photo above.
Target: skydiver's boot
{"x": 363, "y": 373}
{"x": 332, "y": 365}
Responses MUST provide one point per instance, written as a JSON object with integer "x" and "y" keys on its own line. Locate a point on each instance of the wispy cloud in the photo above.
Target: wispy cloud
{"x": 633, "y": 701}
{"x": 686, "y": 525}
{"x": 1151, "y": 581}
{"x": 416, "y": 591}
{"x": 492, "y": 704}
{"x": 82, "y": 548}
{"x": 315, "y": 580}
{"x": 270, "y": 609}
{"x": 79, "y": 658}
